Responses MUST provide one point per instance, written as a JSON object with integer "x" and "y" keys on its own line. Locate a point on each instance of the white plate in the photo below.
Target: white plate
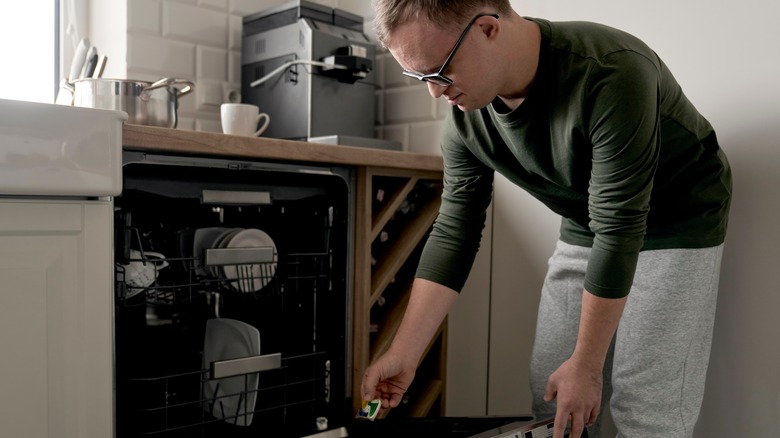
{"x": 232, "y": 397}
{"x": 251, "y": 278}
{"x": 221, "y": 242}
{"x": 202, "y": 239}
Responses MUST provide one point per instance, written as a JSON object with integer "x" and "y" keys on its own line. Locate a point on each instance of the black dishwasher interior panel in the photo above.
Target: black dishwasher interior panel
{"x": 264, "y": 248}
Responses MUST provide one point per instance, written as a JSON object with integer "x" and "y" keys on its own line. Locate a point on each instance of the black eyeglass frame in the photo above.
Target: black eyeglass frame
{"x": 438, "y": 78}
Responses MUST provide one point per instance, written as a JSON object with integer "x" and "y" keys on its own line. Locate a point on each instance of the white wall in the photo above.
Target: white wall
{"x": 726, "y": 57}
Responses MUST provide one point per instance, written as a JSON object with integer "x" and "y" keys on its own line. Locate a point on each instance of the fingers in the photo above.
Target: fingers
{"x": 550, "y": 392}
{"x": 577, "y": 425}
{"x": 594, "y": 414}
{"x": 370, "y": 382}
{"x": 395, "y": 399}
{"x": 577, "y": 422}
{"x": 559, "y": 426}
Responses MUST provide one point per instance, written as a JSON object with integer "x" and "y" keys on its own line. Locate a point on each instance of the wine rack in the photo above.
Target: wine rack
{"x": 395, "y": 211}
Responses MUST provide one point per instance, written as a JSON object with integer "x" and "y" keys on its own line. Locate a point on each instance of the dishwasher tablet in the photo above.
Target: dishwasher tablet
{"x": 369, "y": 410}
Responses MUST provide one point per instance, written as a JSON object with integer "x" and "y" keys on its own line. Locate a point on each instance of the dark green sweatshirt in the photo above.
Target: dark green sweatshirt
{"x": 606, "y": 139}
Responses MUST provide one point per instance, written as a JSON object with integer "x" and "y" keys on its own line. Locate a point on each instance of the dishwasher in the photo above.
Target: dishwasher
{"x": 233, "y": 305}
{"x": 232, "y": 297}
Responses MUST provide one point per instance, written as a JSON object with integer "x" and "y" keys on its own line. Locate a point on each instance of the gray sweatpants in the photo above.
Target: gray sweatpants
{"x": 655, "y": 370}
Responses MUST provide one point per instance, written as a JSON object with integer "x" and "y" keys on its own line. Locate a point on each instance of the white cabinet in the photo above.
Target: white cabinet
{"x": 524, "y": 236}
{"x": 492, "y": 325}
{"x": 56, "y": 307}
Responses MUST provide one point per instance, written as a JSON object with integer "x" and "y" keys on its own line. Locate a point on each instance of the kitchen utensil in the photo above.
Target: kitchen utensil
{"x": 145, "y": 103}
{"x": 79, "y": 59}
{"x": 101, "y": 66}
{"x": 65, "y": 92}
{"x": 141, "y": 271}
{"x": 233, "y": 398}
{"x": 242, "y": 119}
{"x": 90, "y": 62}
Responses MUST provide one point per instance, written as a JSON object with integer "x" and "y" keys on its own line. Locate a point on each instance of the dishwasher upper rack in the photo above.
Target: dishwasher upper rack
{"x": 251, "y": 271}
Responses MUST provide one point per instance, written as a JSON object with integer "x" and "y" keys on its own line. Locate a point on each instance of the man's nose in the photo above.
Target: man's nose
{"x": 436, "y": 90}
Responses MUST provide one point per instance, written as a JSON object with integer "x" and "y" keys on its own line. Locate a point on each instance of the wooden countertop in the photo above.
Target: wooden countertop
{"x": 178, "y": 141}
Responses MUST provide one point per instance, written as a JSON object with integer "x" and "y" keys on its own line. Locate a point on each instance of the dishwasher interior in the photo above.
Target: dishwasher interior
{"x": 232, "y": 297}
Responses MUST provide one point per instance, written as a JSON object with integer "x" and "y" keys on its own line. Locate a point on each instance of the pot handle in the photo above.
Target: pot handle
{"x": 167, "y": 82}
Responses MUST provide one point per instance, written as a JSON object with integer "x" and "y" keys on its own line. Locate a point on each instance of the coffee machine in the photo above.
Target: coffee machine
{"x": 311, "y": 68}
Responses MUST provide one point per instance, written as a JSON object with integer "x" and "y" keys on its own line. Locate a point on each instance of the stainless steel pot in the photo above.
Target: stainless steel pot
{"x": 145, "y": 103}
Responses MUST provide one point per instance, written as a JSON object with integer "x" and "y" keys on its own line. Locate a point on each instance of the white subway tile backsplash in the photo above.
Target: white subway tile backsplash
{"x": 208, "y": 95}
{"x": 368, "y": 29}
{"x": 234, "y": 67}
{"x": 155, "y": 54}
{"x": 442, "y": 108}
{"x": 214, "y": 4}
{"x": 189, "y": 102}
{"x": 143, "y": 16}
{"x": 328, "y": 3}
{"x": 191, "y": 23}
{"x": 379, "y": 113}
{"x": 424, "y": 137}
{"x": 358, "y": 7}
{"x": 186, "y": 123}
{"x": 408, "y": 104}
{"x": 248, "y": 7}
{"x": 379, "y": 71}
{"x": 231, "y": 92}
{"x": 208, "y": 125}
{"x": 392, "y": 72}
{"x": 235, "y": 29}
{"x": 211, "y": 63}
{"x": 201, "y": 40}
{"x": 398, "y": 133}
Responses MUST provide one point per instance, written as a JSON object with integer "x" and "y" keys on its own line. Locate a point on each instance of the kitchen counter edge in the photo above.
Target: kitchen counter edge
{"x": 179, "y": 141}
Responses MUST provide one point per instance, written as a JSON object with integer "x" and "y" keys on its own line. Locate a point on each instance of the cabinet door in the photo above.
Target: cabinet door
{"x": 56, "y": 319}
{"x": 525, "y": 232}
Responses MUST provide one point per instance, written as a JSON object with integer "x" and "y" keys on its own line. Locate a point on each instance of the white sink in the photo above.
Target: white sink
{"x": 56, "y": 150}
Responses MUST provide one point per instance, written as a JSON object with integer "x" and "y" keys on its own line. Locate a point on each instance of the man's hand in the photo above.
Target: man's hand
{"x": 577, "y": 383}
{"x": 577, "y": 388}
{"x": 387, "y": 379}
{"x": 390, "y": 376}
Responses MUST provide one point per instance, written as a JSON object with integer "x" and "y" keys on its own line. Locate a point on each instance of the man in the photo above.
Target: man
{"x": 591, "y": 122}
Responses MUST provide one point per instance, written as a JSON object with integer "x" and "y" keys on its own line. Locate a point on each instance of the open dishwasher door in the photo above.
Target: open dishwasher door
{"x": 447, "y": 427}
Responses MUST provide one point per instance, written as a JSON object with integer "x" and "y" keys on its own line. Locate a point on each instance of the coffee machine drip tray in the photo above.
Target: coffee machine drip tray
{"x": 366, "y": 142}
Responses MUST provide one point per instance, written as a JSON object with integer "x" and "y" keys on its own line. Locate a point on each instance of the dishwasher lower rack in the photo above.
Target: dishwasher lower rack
{"x": 266, "y": 395}
{"x": 247, "y": 271}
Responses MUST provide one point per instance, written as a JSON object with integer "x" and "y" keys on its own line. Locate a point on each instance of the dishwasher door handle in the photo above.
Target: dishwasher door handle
{"x": 244, "y": 365}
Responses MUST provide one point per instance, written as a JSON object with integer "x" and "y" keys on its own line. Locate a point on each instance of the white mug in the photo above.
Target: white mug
{"x": 242, "y": 119}
{"x": 141, "y": 273}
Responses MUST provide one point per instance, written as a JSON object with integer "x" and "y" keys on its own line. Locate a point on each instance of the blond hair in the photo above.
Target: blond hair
{"x": 450, "y": 13}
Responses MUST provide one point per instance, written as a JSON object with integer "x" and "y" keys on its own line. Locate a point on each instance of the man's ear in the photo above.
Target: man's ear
{"x": 489, "y": 26}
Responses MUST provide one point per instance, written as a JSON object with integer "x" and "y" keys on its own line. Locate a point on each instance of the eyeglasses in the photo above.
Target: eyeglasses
{"x": 438, "y": 78}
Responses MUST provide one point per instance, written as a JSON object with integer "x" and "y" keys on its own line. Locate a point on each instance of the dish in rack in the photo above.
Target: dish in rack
{"x": 245, "y": 258}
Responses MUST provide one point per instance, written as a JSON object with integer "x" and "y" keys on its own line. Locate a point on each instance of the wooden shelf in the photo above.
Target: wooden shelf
{"x": 388, "y": 326}
{"x": 381, "y": 218}
{"x": 426, "y": 399}
{"x": 402, "y": 248}
{"x": 390, "y": 275}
